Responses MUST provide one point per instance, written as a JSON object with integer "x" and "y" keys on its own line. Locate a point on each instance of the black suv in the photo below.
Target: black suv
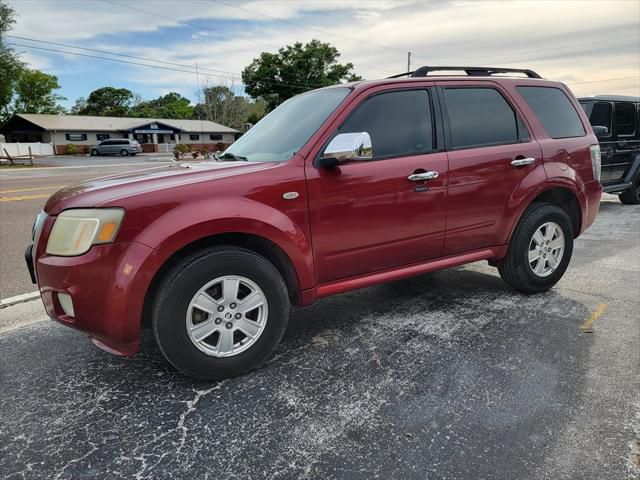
{"x": 616, "y": 122}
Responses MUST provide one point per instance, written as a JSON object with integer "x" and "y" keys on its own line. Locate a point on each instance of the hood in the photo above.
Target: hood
{"x": 100, "y": 190}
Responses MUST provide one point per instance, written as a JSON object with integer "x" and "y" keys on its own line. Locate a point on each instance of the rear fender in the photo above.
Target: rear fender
{"x": 545, "y": 177}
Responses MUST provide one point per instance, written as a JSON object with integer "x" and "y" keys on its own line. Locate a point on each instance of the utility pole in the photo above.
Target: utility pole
{"x": 408, "y": 61}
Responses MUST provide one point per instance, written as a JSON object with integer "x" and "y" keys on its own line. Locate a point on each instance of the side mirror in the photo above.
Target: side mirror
{"x": 600, "y": 130}
{"x": 346, "y": 148}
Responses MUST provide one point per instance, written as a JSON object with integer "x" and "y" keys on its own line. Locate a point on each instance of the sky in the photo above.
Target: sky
{"x": 591, "y": 45}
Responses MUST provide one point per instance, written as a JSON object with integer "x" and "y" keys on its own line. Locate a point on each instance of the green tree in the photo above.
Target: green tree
{"x": 171, "y": 105}
{"x": 223, "y": 106}
{"x": 296, "y": 68}
{"x": 108, "y": 102}
{"x": 10, "y": 64}
{"x": 34, "y": 92}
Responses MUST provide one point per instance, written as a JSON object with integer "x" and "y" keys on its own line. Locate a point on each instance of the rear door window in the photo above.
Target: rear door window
{"x": 555, "y": 111}
{"x": 481, "y": 117}
{"x": 399, "y": 123}
{"x": 625, "y": 119}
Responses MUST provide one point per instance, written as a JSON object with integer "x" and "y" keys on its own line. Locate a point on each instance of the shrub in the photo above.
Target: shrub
{"x": 71, "y": 149}
{"x": 180, "y": 150}
{"x": 206, "y": 154}
{"x": 194, "y": 155}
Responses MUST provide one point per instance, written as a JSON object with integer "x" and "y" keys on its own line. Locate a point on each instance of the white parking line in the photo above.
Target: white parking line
{"x": 83, "y": 166}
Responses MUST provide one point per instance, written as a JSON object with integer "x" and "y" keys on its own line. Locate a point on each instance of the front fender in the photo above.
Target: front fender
{"x": 191, "y": 222}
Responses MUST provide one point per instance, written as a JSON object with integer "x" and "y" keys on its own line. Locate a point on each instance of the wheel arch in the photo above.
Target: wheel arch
{"x": 562, "y": 195}
{"x": 255, "y": 243}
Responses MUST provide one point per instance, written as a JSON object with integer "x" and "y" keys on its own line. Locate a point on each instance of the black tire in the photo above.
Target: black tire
{"x": 631, "y": 196}
{"x": 180, "y": 285}
{"x": 124, "y": 153}
{"x": 95, "y": 153}
{"x": 515, "y": 269}
{"x": 133, "y": 154}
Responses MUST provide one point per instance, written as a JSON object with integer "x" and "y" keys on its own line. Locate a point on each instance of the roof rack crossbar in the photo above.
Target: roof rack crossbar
{"x": 471, "y": 71}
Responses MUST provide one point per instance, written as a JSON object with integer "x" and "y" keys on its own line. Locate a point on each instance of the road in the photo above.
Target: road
{"x": 450, "y": 375}
{"x": 23, "y": 193}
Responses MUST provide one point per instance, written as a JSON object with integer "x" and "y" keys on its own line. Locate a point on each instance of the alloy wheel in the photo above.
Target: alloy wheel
{"x": 546, "y": 249}
{"x": 227, "y": 316}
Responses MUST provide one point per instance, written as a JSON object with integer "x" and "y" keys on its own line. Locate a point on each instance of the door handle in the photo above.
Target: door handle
{"x": 418, "y": 177}
{"x": 521, "y": 162}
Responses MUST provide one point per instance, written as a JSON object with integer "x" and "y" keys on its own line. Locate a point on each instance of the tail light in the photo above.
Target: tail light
{"x": 596, "y": 161}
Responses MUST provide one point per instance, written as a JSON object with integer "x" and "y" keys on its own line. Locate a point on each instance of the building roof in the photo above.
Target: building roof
{"x": 94, "y": 124}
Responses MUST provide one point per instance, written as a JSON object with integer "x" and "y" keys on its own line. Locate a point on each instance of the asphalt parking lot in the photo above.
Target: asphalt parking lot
{"x": 24, "y": 191}
{"x": 450, "y": 375}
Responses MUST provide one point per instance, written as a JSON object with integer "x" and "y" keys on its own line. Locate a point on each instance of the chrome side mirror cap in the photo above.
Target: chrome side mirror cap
{"x": 346, "y": 148}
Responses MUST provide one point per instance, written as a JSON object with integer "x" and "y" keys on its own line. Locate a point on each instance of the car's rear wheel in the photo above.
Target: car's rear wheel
{"x": 220, "y": 313}
{"x": 540, "y": 249}
{"x": 95, "y": 152}
{"x": 631, "y": 196}
{"x": 124, "y": 152}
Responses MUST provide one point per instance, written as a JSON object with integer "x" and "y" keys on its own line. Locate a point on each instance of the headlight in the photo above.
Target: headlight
{"x": 75, "y": 231}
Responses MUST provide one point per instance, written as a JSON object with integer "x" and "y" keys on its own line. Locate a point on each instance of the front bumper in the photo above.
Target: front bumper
{"x": 107, "y": 286}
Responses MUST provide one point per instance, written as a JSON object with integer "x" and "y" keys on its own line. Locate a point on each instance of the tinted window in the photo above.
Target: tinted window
{"x": 554, "y": 110}
{"x": 601, "y": 115}
{"x": 480, "y": 116}
{"x": 194, "y": 136}
{"x": 399, "y": 123}
{"x": 625, "y": 113}
{"x": 102, "y": 136}
{"x": 286, "y": 129}
{"x": 215, "y": 136}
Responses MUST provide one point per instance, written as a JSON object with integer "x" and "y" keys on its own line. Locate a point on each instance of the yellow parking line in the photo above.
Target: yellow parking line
{"x": 51, "y": 187}
{"x": 587, "y": 325}
{"x": 24, "y": 197}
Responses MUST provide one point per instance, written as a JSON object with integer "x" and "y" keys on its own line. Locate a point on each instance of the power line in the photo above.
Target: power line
{"x": 310, "y": 28}
{"x": 637, "y": 77}
{"x": 192, "y": 25}
{"x": 192, "y": 72}
{"x": 198, "y": 27}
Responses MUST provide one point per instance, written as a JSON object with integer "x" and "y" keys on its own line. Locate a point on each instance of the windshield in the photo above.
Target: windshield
{"x": 285, "y": 130}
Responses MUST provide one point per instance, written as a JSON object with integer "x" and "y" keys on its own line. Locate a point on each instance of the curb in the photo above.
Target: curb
{"x": 25, "y": 297}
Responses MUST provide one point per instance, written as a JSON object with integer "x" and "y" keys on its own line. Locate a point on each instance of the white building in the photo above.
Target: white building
{"x": 154, "y": 134}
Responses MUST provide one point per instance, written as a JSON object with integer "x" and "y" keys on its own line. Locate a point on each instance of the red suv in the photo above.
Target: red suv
{"x": 337, "y": 189}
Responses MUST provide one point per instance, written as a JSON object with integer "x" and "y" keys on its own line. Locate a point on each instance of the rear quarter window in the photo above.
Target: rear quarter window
{"x": 554, "y": 109}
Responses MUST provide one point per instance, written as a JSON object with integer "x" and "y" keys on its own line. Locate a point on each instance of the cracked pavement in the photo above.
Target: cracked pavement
{"x": 450, "y": 375}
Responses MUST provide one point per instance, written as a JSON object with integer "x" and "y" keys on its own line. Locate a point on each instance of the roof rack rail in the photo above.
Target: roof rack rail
{"x": 471, "y": 71}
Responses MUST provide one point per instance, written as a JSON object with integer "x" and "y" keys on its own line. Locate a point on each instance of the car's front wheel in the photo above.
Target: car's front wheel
{"x": 540, "y": 249}
{"x": 220, "y": 313}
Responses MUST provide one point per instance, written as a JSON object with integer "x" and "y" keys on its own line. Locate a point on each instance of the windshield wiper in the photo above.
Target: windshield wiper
{"x": 232, "y": 156}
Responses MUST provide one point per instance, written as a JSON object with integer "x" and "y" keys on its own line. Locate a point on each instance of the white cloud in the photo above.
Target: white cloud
{"x": 596, "y": 41}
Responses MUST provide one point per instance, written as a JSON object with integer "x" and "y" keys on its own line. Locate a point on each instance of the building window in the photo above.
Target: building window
{"x": 172, "y": 137}
{"x": 194, "y": 136}
{"x": 75, "y": 137}
{"x": 215, "y": 136}
{"x": 102, "y": 136}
